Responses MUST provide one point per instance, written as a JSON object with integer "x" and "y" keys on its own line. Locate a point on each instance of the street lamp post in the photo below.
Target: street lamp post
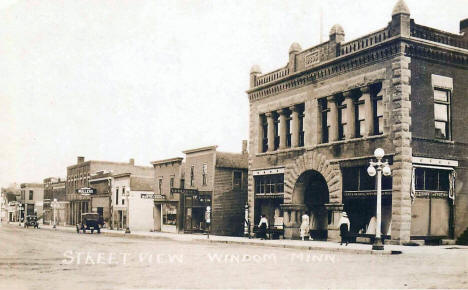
{"x": 127, "y": 196}
{"x": 379, "y": 167}
{"x": 54, "y": 208}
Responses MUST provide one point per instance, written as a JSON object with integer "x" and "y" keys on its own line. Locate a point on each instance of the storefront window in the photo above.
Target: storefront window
{"x": 169, "y": 214}
{"x": 357, "y": 179}
{"x": 431, "y": 179}
{"x": 272, "y": 183}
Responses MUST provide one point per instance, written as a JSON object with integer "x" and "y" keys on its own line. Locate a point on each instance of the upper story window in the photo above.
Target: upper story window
{"x": 288, "y": 131}
{"x": 192, "y": 177}
{"x": 276, "y": 132}
{"x": 117, "y": 195}
{"x": 360, "y": 110}
{"x": 182, "y": 183}
{"x": 301, "y": 129}
{"x": 323, "y": 106}
{"x": 342, "y": 119}
{"x": 237, "y": 180}
{"x": 378, "y": 115}
{"x": 31, "y": 195}
{"x": 442, "y": 113}
{"x": 264, "y": 135}
{"x": 171, "y": 182}
{"x": 160, "y": 182}
{"x": 123, "y": 195}
{"x": 204, "y": 173}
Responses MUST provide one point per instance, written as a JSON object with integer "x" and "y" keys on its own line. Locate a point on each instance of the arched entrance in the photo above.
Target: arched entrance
{"x": 310, "y": 195}
{"x": 311, "y": 190}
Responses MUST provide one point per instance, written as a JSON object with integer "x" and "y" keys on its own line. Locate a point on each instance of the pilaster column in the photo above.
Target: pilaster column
{"x": 368, "y": 111}
{"x": 350, "y": 116}
{"x": 333, "y": 119}
{"x": 271, "y": 131}
{"x": 282, "y": 128}
{"x": 294, "y": 126}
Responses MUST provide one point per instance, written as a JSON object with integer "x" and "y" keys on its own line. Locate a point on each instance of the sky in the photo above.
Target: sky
{"x": 113, "y": 80}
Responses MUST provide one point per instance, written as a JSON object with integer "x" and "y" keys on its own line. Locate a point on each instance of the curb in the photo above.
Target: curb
{"x": 250, "y": 243}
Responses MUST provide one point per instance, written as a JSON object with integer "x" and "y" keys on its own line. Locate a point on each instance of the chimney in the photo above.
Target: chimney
{"x": 131, "y": 161}
{"x": 464, "y": 27}
{"x": 80, "y": 159}
{"x": 244, "y": 147}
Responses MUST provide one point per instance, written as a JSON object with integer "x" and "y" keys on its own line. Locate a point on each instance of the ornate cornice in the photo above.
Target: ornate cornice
{"x": 340, "y": 65}
{"x": 412, "y": 47}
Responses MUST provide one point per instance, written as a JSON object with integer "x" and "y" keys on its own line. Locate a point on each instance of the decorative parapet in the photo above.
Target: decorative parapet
{"x": 364, "y": 42}
{"x": 439, "y": 36}
{"x": 272, "y": 76}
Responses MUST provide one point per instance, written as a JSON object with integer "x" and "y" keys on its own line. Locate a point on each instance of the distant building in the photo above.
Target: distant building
{"x": 79, "y": 190}
{"x": 32, "y": 199}
{"x": 54, "y": 189}
{"x": 315, "y": 123}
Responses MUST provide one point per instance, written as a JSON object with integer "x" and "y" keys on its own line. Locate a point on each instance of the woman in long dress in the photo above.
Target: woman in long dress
{"x": 262, "y": 227}
{"x": 344, "y": 228}
{"x": 305, "y": 226}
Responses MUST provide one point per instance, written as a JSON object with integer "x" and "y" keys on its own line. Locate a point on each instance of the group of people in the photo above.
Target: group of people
{"x": 305, "y": 227}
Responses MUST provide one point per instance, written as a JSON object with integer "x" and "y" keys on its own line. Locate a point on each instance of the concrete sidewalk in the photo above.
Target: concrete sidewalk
{"x": 293, "y": 244}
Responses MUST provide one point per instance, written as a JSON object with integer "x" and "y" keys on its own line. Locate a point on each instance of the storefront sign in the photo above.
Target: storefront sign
{"x": 366, "y": 193}
{"x": 86, "y": 191}
{"x": 431, "y": 194}
{"x": 152, "y": 196}
{"x": 183, "y": 191}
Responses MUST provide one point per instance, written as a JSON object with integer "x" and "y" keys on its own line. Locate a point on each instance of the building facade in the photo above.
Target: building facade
{"x": 315, "y": 123}
{"x": 80, "y": 193}
{"x": 54, "y": 189}
{"x": 132, "y": 202}
{"x": 32, "y": 196}
{"x": 168, "y": 174}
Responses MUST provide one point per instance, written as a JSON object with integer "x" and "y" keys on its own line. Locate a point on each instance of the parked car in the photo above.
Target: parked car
{"x": 89, "y": 221}
{"x": 31, "y": 221}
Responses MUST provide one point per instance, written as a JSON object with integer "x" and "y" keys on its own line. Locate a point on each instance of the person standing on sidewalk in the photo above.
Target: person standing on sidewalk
{"x": 262, "y": 227}
{"x": 305, "y": 226}
{"x": 344, "y": 228}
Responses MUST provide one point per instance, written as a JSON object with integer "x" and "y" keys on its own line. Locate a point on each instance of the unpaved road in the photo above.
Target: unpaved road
{"x": 44, "y": 259}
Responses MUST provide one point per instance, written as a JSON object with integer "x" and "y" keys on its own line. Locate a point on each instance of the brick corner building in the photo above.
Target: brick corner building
{"x": 315, "y": 123}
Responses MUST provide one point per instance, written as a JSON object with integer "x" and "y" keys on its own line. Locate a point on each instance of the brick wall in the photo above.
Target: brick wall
{"x": 424, "y": 143}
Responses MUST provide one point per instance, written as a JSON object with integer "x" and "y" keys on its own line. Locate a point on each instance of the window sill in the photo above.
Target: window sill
{"x": 322, "y": 145}
{"x": 435, "y": 140}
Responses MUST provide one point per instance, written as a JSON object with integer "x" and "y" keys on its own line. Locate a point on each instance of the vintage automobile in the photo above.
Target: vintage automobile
{"x": 31, "y": 220}
{"x": 89, "y": 221}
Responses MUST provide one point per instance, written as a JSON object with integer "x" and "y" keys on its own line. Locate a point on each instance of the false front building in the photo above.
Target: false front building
{"x": 315, "y": 123}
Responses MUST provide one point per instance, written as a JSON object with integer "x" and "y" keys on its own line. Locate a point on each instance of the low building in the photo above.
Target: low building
{"x": 168, "y": 174}
{"x": 132, "y": 202}
{"x": 211, "y": 193}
